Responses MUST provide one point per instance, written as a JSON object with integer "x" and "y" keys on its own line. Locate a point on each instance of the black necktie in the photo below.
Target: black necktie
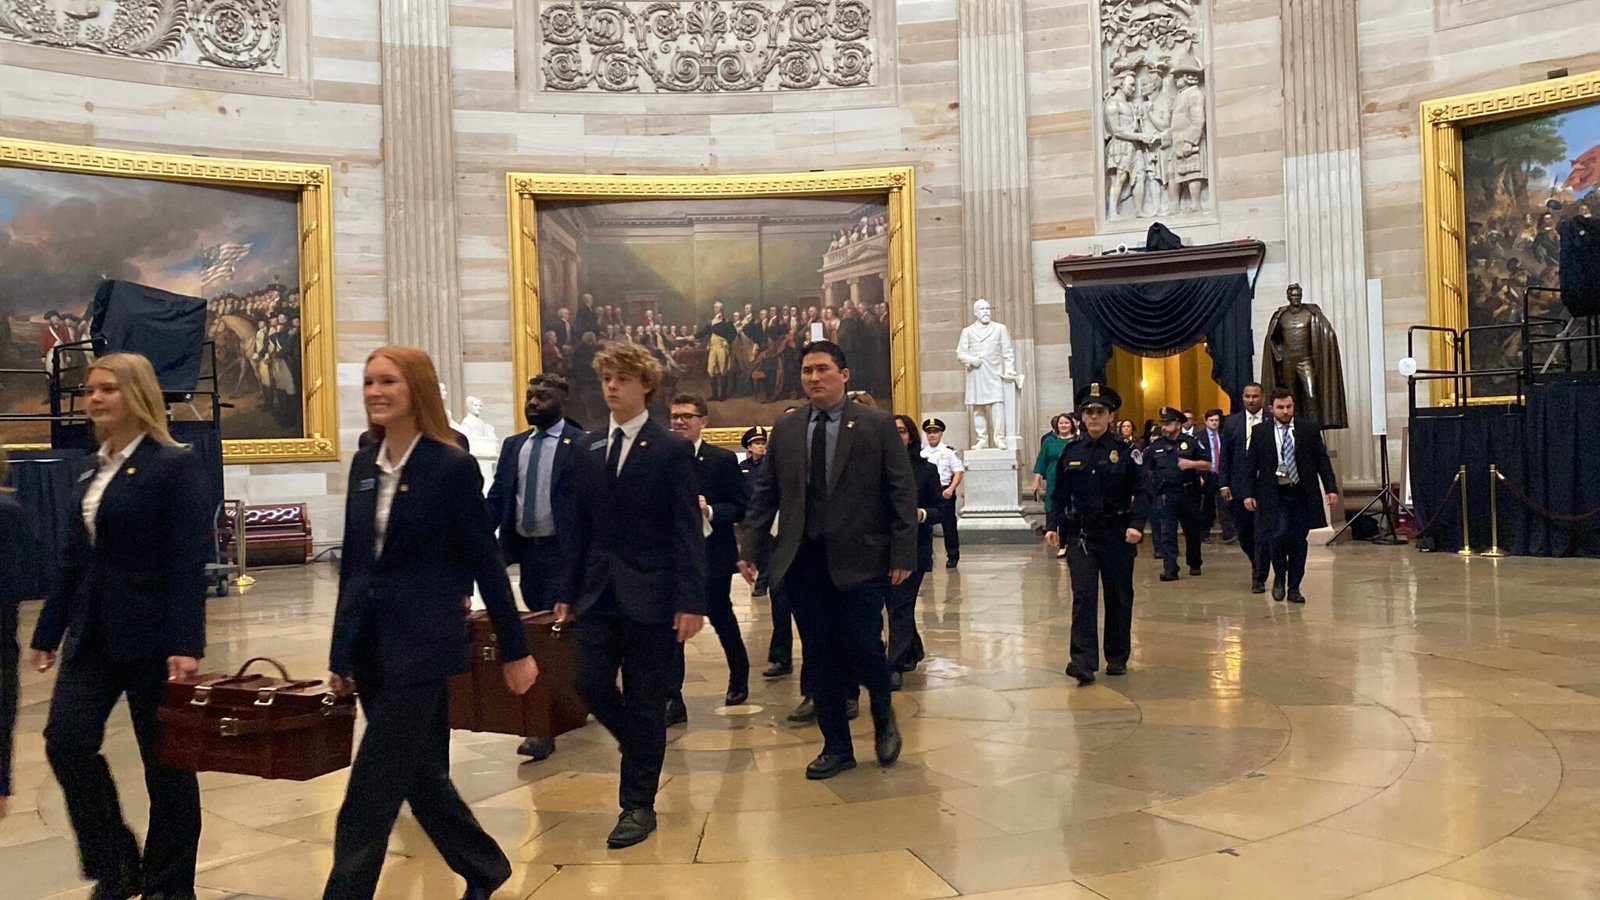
{"x": 817, "y": 483}
{"x": 614, "y": 455}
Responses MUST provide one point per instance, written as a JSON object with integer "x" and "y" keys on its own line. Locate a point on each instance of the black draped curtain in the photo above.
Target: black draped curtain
{"x": 1162, "y": 318}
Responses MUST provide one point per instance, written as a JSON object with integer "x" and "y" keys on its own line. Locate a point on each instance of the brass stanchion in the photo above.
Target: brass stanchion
{"x": 1466, "y": 534}
{"x": 1494, "y": 551}
{"x": 244, "y": 580}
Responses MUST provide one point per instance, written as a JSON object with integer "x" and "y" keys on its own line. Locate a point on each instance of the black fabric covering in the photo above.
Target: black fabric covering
{"x": 1160, "y": 237}
{"x": 1541, "y": 452}
{"x": 169, "y": 329}
{"x": 1162, "y": 318}
{"x": 202, "y": 438}
{"x": 44, "y": 480}
{"x": 1580, "y": 265}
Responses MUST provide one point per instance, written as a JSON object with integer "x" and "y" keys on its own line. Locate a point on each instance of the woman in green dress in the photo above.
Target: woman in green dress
{"x": 1044, "y": 469}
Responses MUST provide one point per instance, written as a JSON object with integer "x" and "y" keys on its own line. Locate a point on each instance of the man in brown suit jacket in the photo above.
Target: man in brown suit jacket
{"x": 839, "y": 475}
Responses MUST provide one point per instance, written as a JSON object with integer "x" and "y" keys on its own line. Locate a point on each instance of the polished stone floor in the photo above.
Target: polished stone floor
{"x": 1426, "y": 728}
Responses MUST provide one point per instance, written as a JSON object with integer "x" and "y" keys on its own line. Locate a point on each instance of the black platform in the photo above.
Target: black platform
{"x": 1548, "y": 449}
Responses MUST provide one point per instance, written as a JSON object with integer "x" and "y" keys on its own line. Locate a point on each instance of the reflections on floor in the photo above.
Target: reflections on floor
{"x": 1425, "y": 727}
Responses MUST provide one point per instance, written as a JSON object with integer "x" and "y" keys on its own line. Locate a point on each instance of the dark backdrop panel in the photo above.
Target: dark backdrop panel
{"x": 44, "y": 480}
{"x": 167, "y": 328}
{"x": 1439, "y": 447}
{"x": 1564, "y": 476}
{"x": 1160, "y": 318}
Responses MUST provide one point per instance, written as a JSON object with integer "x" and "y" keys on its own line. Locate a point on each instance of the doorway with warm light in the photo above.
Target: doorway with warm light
{"x": 1147, "y": 383}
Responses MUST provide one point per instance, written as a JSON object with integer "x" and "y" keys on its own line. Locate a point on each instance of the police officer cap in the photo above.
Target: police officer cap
{"x": 755, "y": 434}
{"x": 932, "y": 424}
{"x": 1099, "y": 395}
{"x": 1172, "y": 414}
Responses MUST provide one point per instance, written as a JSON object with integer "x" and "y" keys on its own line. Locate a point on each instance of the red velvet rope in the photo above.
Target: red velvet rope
{"x": 1528, "y": 501}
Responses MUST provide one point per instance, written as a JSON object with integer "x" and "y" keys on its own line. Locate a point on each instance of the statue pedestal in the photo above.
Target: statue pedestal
{"x": 992, "y": 512}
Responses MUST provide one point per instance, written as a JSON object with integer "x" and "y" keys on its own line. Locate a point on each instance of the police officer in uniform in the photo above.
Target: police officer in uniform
{"x": 1176, "y": 462}
{"x": 951, "y": 471}
{"x": 754, "y": 443}
{"x": 1098, "y": 513}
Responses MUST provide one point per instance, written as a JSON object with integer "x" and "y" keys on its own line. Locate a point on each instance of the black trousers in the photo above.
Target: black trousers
{"x": 86, "y": 691}
{"x": 947, "y": 522}
{"x": 843, "y": 634}
{"x": 1171, "y": 510}
{"x": 10, "y": 687}
{"x": 905, "y": 644}
{"x": 1287, "y": 543}
{"x": 542, "y": 564}
{"x": 608, "y": 643}
{"x": 719, "y": 610}
{"x": 1107, "y": 564}
{"x": 405, "y": 756}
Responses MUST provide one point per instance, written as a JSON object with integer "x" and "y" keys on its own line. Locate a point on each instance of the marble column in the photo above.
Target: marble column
{"x": 1323, "y": 203}
{"x": 997, "y": 251}
{"x": 419, "y": 164}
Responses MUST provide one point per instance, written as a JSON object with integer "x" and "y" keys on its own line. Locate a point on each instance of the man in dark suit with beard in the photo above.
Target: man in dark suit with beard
{"x": 1286, "y": 461}
{"x": 841, "y": 479}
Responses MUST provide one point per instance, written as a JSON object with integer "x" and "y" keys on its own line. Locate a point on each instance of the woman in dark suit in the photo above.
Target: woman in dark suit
{"x": 130, "y": 603}
{"x": 905, "y": 644}
{"x": 416, "y": 538}
{"x": 11, "y": 526}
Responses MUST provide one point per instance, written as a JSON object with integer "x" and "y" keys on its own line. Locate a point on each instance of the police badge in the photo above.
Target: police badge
{"x": 1184, "y": 445}
{"x": 1113, "y": 456}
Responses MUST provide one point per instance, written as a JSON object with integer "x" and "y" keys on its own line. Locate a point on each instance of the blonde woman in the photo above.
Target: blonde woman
{"x": 130, "y": 605}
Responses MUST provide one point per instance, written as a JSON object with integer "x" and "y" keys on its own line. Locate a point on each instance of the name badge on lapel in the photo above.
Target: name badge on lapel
{"x": 366, "y": 484}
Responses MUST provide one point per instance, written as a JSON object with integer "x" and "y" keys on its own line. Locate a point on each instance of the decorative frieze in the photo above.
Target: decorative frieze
{"x": 245, "y": 35}
{"x": 1155, "y": 112}
{"x": 705, "y": 46}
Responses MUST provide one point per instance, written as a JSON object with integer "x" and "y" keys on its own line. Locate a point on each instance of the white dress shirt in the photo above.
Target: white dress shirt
{"x": 630, "y": 433}
{"x": 388, "y": 484}
{"x": 544, "y": 517}
{"x": 947, "y": 460}
{"x": 109, "y": 466}
{"x": 1251, "y": 420}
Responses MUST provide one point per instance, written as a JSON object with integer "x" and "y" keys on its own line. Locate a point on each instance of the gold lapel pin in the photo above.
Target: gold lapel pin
{"x": 132, "y": 469}
{"x": 404, "y": 488}
{"x": 644, "y": 443}
{"x": 850, "y": 424}
{"x": 566, "y": 440}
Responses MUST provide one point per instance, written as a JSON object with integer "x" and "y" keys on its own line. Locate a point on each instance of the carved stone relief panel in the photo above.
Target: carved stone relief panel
{"x": 1154, "y": 109}
{"x": 705, "y": 46}
{"x": 240, "y": 35}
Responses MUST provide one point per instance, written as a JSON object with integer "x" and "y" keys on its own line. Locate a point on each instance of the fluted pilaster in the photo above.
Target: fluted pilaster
{"x": 419, "y": 183}
{"x": 996, "y": 247}
{"x": 1323, "y": 200}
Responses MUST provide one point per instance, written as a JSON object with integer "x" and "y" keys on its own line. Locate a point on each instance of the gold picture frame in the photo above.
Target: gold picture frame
{"x": 1445, "y": 230}
{"x": 894, "y": 185}
{"x": 312, "y": 185}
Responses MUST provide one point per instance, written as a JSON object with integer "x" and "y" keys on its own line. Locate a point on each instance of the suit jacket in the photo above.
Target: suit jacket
{"x": 1310, "y": 459}
{"x": 139, "y": 587}
{"x": 639, "y": 533}
{"x": 13, "y": 533}
{"x": 728, "y": 493}
{"x": 502, "y": 498}
{"x": 930, "y": 499}
{"x": 871, "y": 524}
{"x": 1234, "y": 473}
{"x": 399, "y": 618}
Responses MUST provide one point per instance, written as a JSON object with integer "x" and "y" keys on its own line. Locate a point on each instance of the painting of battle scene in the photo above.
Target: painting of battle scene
{"x": 1521, "y": 178}
{"x": 722, "y": 291}
{"x": 61, "y": 233}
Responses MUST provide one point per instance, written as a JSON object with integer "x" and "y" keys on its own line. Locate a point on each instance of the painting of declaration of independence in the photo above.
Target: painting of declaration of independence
{"x": 61, "y": 233}
{"x": 723, "y": 291}
{"x": 1521, "y": 178}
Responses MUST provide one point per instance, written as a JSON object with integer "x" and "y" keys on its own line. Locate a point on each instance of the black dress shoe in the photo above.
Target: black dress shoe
{"x": 189, "y": 895}
{"x": 477, "y": 893}
{"x": 759, "y": 592}
{"x": 952, "y": 562}
{"x": 885, "y": 736}
{"x": 736, "y": 696}
{"x": 777, "y": 670}
{"x": 537, "y": 747}
{"x": 1169, "y": 576}
{"x": 1082, "y": 676}
{"x": 895, "y": 680}
{"x": 1278, "y": 588}
{"x": 1258, "y": 587}
{"x": 852, "y": 709}
{"x": 677, "y": 713}
{"x": 828, "y": 765}
{"x": 1296, "y": 597}
{"x": 1194, "y": 570}
{"x": 633, "y": 826}
{"x": 129, "y": 883}
{"x": 805, "y": 712}
{"x": 1116, "y": 668}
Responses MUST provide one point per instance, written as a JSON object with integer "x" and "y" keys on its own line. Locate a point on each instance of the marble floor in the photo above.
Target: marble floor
{"x": 1425, "y": 728}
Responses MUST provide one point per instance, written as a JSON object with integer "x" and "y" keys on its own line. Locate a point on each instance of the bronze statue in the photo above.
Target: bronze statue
{"x": 1301, "y": 353}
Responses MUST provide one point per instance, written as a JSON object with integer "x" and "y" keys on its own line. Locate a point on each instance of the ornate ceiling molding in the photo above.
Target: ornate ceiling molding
{"x": 239, "y": 35}
{"x": 705, "y": 46}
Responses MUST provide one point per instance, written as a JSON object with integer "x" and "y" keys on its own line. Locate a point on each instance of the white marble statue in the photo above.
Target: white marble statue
{"x": 444, "y": 394}
{"x": 481, "y": 436}
{"x": 992, "y": 379}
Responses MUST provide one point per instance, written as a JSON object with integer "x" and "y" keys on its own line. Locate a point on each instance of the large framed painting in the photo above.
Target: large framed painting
{"x": 1501, "y": 170}
{"x": 723, "y": 279}
{"x": 251, "y": 238}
